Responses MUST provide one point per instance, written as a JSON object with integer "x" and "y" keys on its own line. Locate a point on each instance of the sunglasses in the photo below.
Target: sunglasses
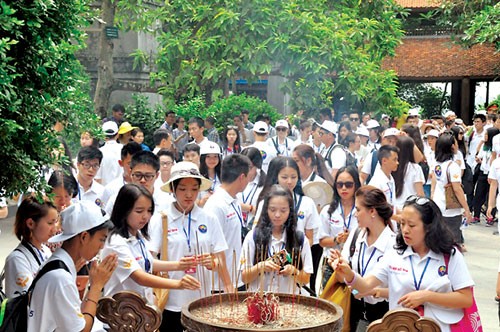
{"x": 347, "y": 184}
{"x": 281, "y": 129}
{"x": 417, "y": 200}
{"x": 354, "y": 119}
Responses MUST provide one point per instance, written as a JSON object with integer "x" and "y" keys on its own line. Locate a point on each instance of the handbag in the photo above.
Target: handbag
{"x": 162, "y": 293}
{"x": 470, "y": 322}
{"x": 340, "y": 294}
{"x": 450, "y": 195}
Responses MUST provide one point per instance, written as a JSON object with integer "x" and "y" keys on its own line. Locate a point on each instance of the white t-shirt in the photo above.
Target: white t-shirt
{"x": 110, "y": 168}
{"x": 441, "y": 173}
{"x": 161, "y": 200}
{"x": 367, "y": 165}
{"x": 112, "y": 189}
{"x": 94, "y": 194}
{"x": 472, "y": 150}
{"x": 227, "y": 211}
{"x": 339, "y": 157}
{"x": 365, "y": 257}
{"x": 282, "y": 149}
{"x": 313, "y": 177}
{"x": 413, "y": 175}
{"x": 495, "y": 144}
{"x": 384, "y": 183}
{"x": 268, "y": 153}
{"x": 132, "y": 256}
{"x": 334, "y": 224}
{"x": 485, "y": 157}
{"x": 55, "y": 302}
{"x": 21, "y": 268}
{"x": 395, "y": 270}
{"x": 199, "y": 231}
{"x": 250, "y": 196}
{"x": 494, "y": 174}
{"x": 273, "y": 283}
{"x": 430, "y": 156}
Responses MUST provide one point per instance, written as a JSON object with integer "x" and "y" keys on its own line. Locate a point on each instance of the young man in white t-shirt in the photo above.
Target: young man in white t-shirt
{"x": 382, "y": 178}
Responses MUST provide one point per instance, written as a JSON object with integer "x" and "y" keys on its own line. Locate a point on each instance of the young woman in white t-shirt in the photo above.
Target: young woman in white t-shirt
{"x": 447, "y": 172}
{"x": 425, "y": 271}
{"x": 131, "y": 214}
{"x": 409, "y": 178}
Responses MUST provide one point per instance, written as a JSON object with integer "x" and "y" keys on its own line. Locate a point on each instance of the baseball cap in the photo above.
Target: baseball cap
{"x": 110, "y": 128}
{"x": 432, "y": 132}
{"x": 362, "y": 131}
{"x": 449, "y": 114}
{"x": 210, "y": 148}
{"x": 260, "y": 127}
{"x": 78, "y": 218}
{"x": 125, "y": 127}
{"x": 183, "y": 170}
{"x": 414, "y": 111}
{"x": 372, "y": 124}
{"x": 281, "y": 123}
{"x": 390, "y": 132}
{"x": 329, "y": 126}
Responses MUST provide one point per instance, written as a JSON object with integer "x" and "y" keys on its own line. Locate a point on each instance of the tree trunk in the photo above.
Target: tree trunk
{"x": 105, "y": 75}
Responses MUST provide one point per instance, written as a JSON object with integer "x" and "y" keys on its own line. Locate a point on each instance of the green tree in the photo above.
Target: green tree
{"x": 42, "y": 83}
{"x": 324, "y": 49}
{"x": 430, "y": 98}
{"x": 473, "y": 21}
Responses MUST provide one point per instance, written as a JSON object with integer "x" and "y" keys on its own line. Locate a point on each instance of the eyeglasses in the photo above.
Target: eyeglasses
{"x": 281, "y": 129}
{"x": 166, "y": 163}
{"x": 417, "y": 200}
{"x": 347, "y": 184}
{"x": 140, "y": 176}
{"x": 354, "y": 119}
{"x": 89, "y": 166}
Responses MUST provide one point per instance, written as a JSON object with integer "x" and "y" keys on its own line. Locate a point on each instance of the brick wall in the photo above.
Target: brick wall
{"x": 429, "y": 58}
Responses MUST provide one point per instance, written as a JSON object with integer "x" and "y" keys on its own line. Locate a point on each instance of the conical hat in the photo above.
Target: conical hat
{"x": 320, "y": 192}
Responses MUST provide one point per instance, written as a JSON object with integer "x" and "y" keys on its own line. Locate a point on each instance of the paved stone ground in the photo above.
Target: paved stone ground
{"x": 482, "y": 256}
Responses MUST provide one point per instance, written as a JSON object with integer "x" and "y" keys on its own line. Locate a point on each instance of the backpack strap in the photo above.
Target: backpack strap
{"x": 30, "y": 249}
{"x": 50, "y": 266}
{"x": 275, "y": 143}
{"x": 352, "y": 247}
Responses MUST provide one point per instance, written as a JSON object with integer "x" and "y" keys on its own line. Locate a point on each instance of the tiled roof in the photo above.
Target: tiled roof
{"x": 438, "y": 58}
{"x": 419, "y": 3}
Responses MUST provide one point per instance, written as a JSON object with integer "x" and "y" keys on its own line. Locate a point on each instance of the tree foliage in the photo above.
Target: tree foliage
{"x": 324, "y": 49}
{"x": 430, "y": 98}
{"x": 473, "y": 21}
{"x": 41, "y": 83}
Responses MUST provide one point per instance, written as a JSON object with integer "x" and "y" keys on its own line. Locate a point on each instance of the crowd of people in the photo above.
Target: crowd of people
{"x": 226, "y": 204}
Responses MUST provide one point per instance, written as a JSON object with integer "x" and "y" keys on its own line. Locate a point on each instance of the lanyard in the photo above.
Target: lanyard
{"x": 274, "y": 251}
{"x": 188, "y": 233}
{"x": 278, "y": 144}
{"x": 313, "y": 176}
{"x": 147, "y": 263}
{"x": 214, "y": 183}
{"x": 390, "y": 192}
{"x": 363, "y": 266}
{"x": 297, "y": 204}
{"x": 252, "y": 192}
{"x": 238, "y": 213}
{"x": 39, "y": 254}
{"x": 350, "y": 216}
{"x": 417, "y": 286}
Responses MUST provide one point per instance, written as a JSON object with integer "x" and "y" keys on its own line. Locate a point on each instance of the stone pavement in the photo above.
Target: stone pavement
{"x": 482, "y": 256}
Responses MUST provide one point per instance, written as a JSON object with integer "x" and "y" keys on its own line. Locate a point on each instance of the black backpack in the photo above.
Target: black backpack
{"x": 14, "y": 311}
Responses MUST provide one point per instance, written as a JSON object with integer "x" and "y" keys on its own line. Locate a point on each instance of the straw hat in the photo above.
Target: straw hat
{"x": 320, "y": 192}
{"x": 184, "y": 170}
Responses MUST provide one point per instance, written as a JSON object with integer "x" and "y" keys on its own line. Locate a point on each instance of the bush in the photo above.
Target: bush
{"x": 141, "y": 114}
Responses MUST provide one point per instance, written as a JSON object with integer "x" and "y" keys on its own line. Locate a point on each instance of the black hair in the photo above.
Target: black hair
{"x": 192, "y": 147}
{"x": 233, "y": 166}
{"x": 204, "y": 168}
{"x": 30, "y": 208}
{"x": 147, "y": 158}
{"x": 159, "y": 135}
{"x": 405, "y": 156}
{"x": 197, "y": 120}
{"x": 305, "y": 152}
{"x": 353, "y": 172}
{"x": 385, "y": 152}
{"x": 491, "y": 132}
{"x": 456, "y": 130}
{"x": 175, "y": 183}
{"x": 444, "y": 147}
{"x": 327, "y": 113}
{"x": 255, "y": 157}
{"x": 245, "y": 111}
{"x": 210, "y": 119}
{"x": 414, "y": 133}
{"x": 438, "y": 236}
{"x": 118, "y": 108}
{"x": 130, "y": 148}
{"x": 165, "y": 152}
{"x": 263, "y": 230}
{"x": 237, "y": 143}
{"x": 481, "y": 117}
{"x": 125, "y": 201}
{"x": 89, "y": 153}
{"x": 275, "y": 167}
{"x": 169, "y": 112}
{"x": 374, "y": 198}
{"x": 135, "y": 131}
{"x": 65, "y": 180}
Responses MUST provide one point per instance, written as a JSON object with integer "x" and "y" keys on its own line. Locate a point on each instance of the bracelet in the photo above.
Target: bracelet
{"x": 90, "y": 315}
{"x": 90, "y": 300}
{"x": 352, "y": 281}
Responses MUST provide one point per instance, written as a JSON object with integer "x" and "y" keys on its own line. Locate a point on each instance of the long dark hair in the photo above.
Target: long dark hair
{"x": 405, "y": 156}
{"x": 491, "y": 132}
{"x": 336, "y": 197}
{"x": 438, "y": 236}
{"x": 456, "y": 130}
{"x": 256, "y": 158}
{"x": 374, "y": 198}
{"x": 237, "y": 143}
{"x": 444, "y": 147}
{"x": 263, "y": 230}
{"x": 414, "y": 133}
{"x": 318, "y": 163}
{"x": 124, "y": 204}
{"x": 275, "y": 167}
{"x": 204, "y": 168}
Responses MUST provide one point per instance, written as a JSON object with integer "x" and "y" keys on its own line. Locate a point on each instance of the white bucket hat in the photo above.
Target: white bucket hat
{"x": 329, "y": 126}
{"x": 184, "y": 170}
{"x": 78, "y": 218}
